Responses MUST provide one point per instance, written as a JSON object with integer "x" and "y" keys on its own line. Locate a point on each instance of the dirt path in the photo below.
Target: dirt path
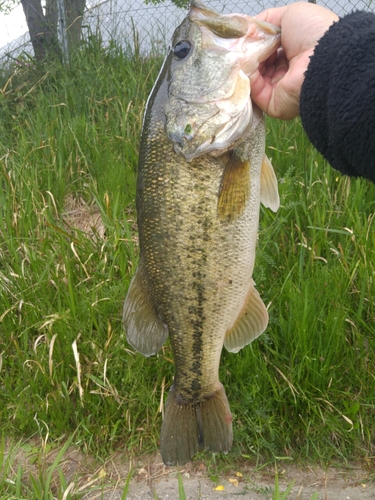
{"x": 154, "y": 480}
{"x": 151, "y": 479}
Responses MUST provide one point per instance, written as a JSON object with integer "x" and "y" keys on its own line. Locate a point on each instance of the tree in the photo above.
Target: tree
{"x": 43, "y": 27}
{"x": 42, "y": 31}
{"x": 74, "y": 16}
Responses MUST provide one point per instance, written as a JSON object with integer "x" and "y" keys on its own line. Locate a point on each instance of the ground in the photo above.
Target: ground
{"x": 330, "y": 484}
{"x": 154, "y": 480}
{"x": 151, "y": 479}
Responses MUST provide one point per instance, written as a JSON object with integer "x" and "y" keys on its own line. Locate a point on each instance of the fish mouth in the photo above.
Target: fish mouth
{"x": 191, "y": 142}
{"x": 210, "y": 125}
{"x": 208, "y": 112}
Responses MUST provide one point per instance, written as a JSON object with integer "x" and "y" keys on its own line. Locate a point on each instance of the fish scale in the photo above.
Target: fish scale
{"x": 198, "y": 220}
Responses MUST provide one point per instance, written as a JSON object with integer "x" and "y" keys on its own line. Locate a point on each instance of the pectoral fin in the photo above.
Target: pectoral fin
{"x": 144, "y": 329}
{"x": 250, "y": 324}
{"x": 269, "y": 193}
{"x": 234, "y": 189}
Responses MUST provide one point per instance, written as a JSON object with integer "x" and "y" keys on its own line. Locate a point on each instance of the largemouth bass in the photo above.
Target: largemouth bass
{"x": 202, "y": 174}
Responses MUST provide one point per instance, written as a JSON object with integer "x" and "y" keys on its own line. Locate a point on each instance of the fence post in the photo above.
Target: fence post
{"x": 61, "y": 30}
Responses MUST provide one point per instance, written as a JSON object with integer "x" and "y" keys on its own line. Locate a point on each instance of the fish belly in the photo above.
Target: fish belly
{"x": 198, "y": 271}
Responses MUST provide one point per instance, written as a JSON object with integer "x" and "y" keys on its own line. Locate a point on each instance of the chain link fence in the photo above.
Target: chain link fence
{"x": 148, "y": 28}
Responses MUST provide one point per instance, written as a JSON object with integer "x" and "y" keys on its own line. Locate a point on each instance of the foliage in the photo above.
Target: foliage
{"x": 305, "y": 389}
{"x": 8, "y": 5}
{"x": 183, "y": 4}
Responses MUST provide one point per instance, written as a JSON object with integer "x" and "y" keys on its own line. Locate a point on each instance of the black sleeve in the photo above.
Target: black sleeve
{"x": 337, "y": 104}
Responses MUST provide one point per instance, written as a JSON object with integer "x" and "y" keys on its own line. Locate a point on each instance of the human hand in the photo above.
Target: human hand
{"x": 276, "y": 84}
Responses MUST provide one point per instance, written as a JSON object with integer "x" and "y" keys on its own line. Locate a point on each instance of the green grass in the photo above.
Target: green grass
{"x": 46, "y": 483}
{"x": 304, "y": 390}
{"x": 310, "y": 389}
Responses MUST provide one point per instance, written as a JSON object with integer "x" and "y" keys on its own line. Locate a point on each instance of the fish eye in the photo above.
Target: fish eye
{"x": 181, "y": 49}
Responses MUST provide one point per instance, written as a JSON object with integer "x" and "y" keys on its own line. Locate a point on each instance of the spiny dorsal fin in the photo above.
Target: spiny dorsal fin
{"x": 234, "y": 189}
{"x": 144, "y": 329}
{"x": 269, "y": 193}
{"x": 250, "y": 324}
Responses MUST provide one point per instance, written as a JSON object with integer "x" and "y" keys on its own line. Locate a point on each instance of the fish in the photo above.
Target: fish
{"x": 202, "y": 174}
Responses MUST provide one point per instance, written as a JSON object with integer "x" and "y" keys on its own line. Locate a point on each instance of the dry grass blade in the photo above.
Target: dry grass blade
{"x": 78, "y": 366}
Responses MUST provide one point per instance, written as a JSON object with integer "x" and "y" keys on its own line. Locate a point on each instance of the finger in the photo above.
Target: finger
{"x": 271, "y": 59}
{"x": 272, "y": 16}
{"x": 281, "y": 66}
{"x": 261, "y": 92}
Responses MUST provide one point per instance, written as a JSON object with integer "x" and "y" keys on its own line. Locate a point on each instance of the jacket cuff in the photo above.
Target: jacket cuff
{"x": 337, "y": 103}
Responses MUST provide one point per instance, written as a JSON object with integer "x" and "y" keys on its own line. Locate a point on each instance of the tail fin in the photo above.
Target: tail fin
{"x": 189, "y": 428}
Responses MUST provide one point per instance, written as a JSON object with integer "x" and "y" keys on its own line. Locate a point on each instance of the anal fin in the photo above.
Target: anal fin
{"x": 234, "y": 189}
{"x": 251, "y": 322}
{"x": 144, "y": 329}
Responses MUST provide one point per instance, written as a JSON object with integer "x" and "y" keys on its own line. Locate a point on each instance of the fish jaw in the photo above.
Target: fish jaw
{"x": 231, "y": 115}
{"x": 209, "y": 105}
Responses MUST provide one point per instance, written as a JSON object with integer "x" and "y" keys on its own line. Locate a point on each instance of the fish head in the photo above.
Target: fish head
{"x": 211, "y": 59}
